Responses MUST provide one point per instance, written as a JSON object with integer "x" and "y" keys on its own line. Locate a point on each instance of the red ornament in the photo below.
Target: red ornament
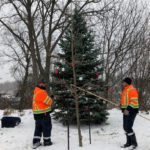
{"x": 57, "y": 72}
{"x": 108, "y": 90}
{"x": 97, "y": 74}
{"x": 86, "y": 109}
{"x": 70, "y": 95}
{"x": 63, "y": 82}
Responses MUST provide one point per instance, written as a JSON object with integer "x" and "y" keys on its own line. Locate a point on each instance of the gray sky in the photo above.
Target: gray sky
{"x": 5, "y": 74}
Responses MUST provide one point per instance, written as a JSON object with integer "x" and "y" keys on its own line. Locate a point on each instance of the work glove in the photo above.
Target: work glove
{"x": 126, "y": 112}
{"x": 52, "y": 96}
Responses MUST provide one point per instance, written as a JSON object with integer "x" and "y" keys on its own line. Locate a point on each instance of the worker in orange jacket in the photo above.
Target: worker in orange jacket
{"x": 42, "y": 104}
{"x": 129, "y": 106}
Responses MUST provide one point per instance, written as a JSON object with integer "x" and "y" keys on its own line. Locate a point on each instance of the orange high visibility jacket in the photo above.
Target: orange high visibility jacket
{"x": 129, "y": 97}
{"x": 41, "y": 101}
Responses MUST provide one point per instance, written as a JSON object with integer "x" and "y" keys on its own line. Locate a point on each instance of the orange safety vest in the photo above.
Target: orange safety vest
{"x": 41, "y": 101}
{"x": 129, "y": 97}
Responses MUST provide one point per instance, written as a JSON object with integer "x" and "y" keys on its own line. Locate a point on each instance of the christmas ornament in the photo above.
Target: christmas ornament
{"x": 104, "y": 102}
{"x": 63, "y": 69}
{"x": 91, "y": 113}
{"x": 63, "y": 82}
{"x": 70, "y": 95}
{"x": 89, "y": 88}
{"x": 57, "y": 72}
{"x": 108, "y": 90}
{"x": 80, "y": 78}
{"x": 57, "y": 79}
{"x": 86, "y": 109}
{"x": 97, "y": 74}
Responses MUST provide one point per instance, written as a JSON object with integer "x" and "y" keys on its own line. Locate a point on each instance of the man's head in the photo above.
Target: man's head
{"x": 42, "y": 83}
{"x": 126, "y": 82}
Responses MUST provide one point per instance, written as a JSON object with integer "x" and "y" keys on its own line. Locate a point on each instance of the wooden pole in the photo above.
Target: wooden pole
{"x": 144, "y": 117}
{"x": 75, "y": 83}
{"x": 116, "y": 105}
{"x": 90, "y": 139}
{"x": 95, "y": 95}
{"x": 68, "y": 126}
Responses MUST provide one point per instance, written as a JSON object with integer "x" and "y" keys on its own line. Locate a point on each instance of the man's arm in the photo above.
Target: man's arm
{"x": 133, "y": 99}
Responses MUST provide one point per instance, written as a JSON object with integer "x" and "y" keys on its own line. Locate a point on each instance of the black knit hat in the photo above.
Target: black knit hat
{"x": 127, "y": 80}
{"x": 42, "y": 81}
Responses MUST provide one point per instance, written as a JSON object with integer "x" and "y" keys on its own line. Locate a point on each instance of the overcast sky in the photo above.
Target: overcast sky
{"x": 5, "y": 74}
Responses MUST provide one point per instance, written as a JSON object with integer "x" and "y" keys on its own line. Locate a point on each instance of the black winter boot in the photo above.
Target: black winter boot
{"x": 128, "y": 143}
{"x": 36, "y": 145}
{"x": 133, "y": 141}
{"x": 47, "y": 142}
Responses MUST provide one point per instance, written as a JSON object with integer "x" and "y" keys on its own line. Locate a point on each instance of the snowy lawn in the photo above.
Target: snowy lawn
{"x": 109, "y": 136}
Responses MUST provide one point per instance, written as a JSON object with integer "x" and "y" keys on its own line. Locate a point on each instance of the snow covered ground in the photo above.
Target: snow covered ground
{"x": 108, "y": 136}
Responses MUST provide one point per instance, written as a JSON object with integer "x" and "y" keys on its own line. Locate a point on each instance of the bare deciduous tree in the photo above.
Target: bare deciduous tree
{"x": 120, "y": 34}
{"x": 39, "y": 25}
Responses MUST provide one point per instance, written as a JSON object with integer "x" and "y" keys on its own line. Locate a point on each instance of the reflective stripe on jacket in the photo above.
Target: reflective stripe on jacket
{"x": 41, "y": 101}
{"x": 129, "y": 97}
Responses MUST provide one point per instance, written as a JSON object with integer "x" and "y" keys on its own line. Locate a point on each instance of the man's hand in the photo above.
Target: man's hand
{"x": 119, "y": 106}
{"x": 52, "y": 96}
{"x": 126, "y": 112}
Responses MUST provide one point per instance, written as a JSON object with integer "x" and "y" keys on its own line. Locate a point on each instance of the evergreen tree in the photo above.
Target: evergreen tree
{"x": 88, "y": 70}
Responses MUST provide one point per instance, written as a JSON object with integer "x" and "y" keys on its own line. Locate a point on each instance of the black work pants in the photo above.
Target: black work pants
{"x": 128, "y": 121}
{"x": 43, "y": 126}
